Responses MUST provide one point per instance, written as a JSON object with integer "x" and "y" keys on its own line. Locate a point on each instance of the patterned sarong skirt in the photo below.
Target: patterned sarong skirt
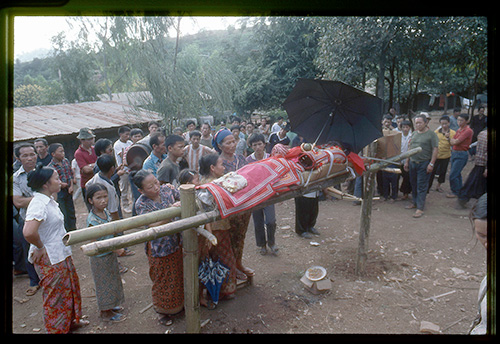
{"x": 62, "y": 303}
{"x": 107, "y": 281}
{"x": 166, "y": 273}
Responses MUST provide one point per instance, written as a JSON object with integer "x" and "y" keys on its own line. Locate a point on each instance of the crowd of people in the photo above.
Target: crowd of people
{"x": 46, "y": 185}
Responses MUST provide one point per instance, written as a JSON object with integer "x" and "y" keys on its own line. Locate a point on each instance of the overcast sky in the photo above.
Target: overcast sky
{"x": 33, "y": 33}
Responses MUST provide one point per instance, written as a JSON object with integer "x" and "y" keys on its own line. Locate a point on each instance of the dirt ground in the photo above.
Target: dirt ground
{"x": 419, "y": 270}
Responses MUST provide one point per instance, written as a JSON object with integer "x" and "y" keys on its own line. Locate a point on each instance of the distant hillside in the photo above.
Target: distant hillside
{"x": 29, "y": 56}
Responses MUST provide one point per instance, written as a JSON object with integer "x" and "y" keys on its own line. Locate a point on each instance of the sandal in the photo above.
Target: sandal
{"x": 249, "y": 272}
{"x": 240, "y": 275}
{"x": 32, "y": 290}
{"x": 123, "y": 269}
{"x": 126, "y": 252}
{"x": 274, "y": 250}
{"x": 209, "y": 304}
{"x": 76, "y": 325}
{"x": 118, "y": 317}
{"x": 418, "y": 214}
{"x": 165, "y": 320}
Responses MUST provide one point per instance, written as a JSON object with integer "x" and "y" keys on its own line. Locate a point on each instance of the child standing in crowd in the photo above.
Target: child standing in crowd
{"x": 264, "y": 219}
{"x": 119, "y": 148}
{"x": 187, "y": 176}
{"x": 65, "y": 196}
{"x": 105, "y": 267}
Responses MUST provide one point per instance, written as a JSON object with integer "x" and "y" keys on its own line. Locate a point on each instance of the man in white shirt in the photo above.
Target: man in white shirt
{"x": 277, "y": 126}
{"x": 119, "y": 148}
{"x": 106, "y": 164}
{"x": 21, "y": 197}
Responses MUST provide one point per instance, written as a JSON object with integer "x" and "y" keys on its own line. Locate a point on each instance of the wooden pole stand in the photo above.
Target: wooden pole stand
{"x": 190, "y": 261}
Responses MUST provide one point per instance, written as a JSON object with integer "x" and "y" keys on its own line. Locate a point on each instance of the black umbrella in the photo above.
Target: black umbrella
{"x": 325, "y": 110}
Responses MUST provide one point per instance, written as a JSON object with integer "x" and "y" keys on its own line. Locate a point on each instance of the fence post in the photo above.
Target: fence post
{"x": 190, "y": 261}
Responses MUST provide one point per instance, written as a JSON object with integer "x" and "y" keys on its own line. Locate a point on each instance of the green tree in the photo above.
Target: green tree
{"x": 283, "y": 50}
{"x": 27, "y": 95}
{"x": 183, "y": 82}
{"x": 403, "y": 54}
{"x": 76, "y": 67}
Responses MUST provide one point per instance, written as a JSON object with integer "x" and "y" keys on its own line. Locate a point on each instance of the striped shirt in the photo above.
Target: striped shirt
{"x": 193, "y": 156}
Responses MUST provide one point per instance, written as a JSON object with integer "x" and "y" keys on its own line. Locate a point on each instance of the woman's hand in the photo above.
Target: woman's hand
{"x": 38, "y": 255}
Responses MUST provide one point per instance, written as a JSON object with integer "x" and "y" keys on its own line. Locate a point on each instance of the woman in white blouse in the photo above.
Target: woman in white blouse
{"x": 44, "y": 229}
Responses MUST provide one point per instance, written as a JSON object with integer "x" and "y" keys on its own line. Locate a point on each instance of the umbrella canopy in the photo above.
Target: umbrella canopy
{"x": 325, "y": 110}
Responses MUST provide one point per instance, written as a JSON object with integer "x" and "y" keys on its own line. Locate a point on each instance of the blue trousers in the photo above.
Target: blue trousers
{"x": 419, "y": 180}
{"x": 458, "y": 161}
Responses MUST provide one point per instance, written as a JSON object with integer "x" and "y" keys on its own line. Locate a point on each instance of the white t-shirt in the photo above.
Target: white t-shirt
{"x": 118, "y": 147}
{"x": 113, "y": 200}
{"x": 275, "y": 128}
{"x": 76, "y": 170}
{"x": 51, "y": 231}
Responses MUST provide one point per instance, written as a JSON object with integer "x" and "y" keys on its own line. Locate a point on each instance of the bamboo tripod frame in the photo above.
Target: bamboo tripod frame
{"x": 190, "y": 221}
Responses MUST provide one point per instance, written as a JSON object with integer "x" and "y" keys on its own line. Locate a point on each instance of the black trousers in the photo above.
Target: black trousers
{"x": 65, "y": 201}
{"x": 306, "y": 213}
{"x": 440, "y": 168}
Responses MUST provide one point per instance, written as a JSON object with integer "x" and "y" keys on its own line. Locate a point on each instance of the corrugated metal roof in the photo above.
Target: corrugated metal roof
{"x": 53, "y": 120}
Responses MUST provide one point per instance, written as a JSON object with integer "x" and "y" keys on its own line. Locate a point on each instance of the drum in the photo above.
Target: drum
{"x": 136, "y": 155}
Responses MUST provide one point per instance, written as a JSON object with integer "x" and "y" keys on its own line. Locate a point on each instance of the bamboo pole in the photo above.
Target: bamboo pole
{"x": 366, "y": 211}
{"x": 152, "y": 233}
{"x": 395, "y": 159}
{"x": 366, "y": 205}
{"x": 113, "y": 227}
{"x": 102, "y": 246}
{"x": 190, "y": 261}
{"x": 364, "y": 227}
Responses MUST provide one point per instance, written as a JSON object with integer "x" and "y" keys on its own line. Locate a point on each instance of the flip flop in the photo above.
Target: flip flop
{"x": 165, "y": 320}
{"x": 32, "y": 290}
{"x": 118, "y": 317}
{"x": 418, "y": 214}
{"x": 249, "y": 272}
{"x": 241, "y": 276}
{"x": 126, "y": 252}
